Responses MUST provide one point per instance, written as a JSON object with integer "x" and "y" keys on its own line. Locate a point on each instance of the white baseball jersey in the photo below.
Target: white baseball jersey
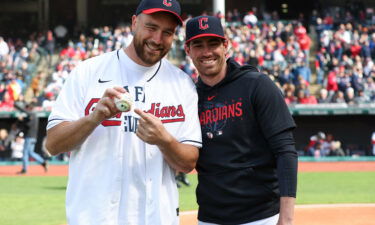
{"x": 114, "y": 177}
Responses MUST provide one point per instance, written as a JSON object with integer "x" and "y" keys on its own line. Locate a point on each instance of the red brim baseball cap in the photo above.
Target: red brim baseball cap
{"x": 204, "y": 26}
{"x": 153, "y": 6}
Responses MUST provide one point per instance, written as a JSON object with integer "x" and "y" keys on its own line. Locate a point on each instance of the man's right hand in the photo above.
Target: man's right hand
{"x": 106, "y": 108}
{"x": 67, "y": 135}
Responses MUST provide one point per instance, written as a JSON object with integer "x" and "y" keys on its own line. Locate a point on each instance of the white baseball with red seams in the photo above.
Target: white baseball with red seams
{"x": 125, "y": 102}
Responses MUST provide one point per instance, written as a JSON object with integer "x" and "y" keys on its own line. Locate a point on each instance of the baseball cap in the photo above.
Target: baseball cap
{"x": 204, "y": 26}
{"x": 153, "y": 6}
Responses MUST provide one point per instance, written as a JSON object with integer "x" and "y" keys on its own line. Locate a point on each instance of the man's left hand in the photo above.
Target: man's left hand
{"x": 151, "y": 130}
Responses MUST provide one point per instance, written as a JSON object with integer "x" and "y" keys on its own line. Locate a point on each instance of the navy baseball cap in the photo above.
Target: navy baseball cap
{"x": 204, "y": 26}
{"x": 153, "y": 6}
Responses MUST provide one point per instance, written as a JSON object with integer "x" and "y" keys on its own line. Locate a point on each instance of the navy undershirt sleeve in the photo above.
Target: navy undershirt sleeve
{"x": 282, "y": 145}
{"x": 270, "y": 108}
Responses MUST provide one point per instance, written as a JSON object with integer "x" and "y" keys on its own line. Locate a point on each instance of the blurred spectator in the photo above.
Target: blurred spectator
{"x": 289, "y": 94}
{"x": 236, "y": 17}
{"x": 339, "y": 97}
{"x": 323, "y": 96}
{"x": 304, "y": 42}
{"x": 14, "y": 89}
{"x": 304, "y": 97}
{"x": 187, "y": 66}
{"x": 4, "y": 49}
{"x": 49, "y": 101}
{"x": 49, "y": 46}
{"x": 30, "y": 126}
{"x": 300, "y": 30}
{"x": 250, "y": 19}
{"x": 13, "y": 132}
{"x": 316, "y": 142}
{"x": 17, "y": 147}
{"x": 318, "y": 150}
{"x": 302, "y": 70}
{"x": 7, "y": 103}
{"x": 127, "y": 37}
{"x": 4, "y": 145}
{"x": 60, "y": 31}
{"x": 335, "y": 149}
{"x": 326, "y": 145}
{"x": 349, "y": 97}
{"x": 321, "y": 61}
{"x": 332, "y": 86}
{"x": 285, "y": 77}
{"x": 35, "y": 83}
{"x": 373, "y": 143}
{"x": 253, "y": 59}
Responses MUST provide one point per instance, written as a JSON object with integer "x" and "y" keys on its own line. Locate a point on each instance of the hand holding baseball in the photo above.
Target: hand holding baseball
{"x": 106, "y": 106}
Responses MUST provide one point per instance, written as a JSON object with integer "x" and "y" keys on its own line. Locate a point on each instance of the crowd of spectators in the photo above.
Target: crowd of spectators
{"x": 345, "y": 54}
{"x": 343, "y": 63}
{"x": 19, "y": 61}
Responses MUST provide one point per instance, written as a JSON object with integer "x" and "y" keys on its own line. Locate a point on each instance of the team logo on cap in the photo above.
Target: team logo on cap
{"x": 167, "y": 3}
{"x": 203, "y": 23}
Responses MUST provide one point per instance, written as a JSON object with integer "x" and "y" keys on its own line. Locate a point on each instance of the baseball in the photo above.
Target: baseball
{"x": 124, "y": 103}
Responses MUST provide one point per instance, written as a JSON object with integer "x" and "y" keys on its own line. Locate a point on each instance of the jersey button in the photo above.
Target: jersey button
{"x": 114, "y": 201}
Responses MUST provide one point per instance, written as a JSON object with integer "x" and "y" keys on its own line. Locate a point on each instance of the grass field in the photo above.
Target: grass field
{"x": 314, "y": 188}
{"x": 40, "y": 200}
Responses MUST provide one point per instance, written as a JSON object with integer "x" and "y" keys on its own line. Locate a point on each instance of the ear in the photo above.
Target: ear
{"x": 187, "y": 49}
{"x": 225, "y": 43}
{"x": 134, "y": 22}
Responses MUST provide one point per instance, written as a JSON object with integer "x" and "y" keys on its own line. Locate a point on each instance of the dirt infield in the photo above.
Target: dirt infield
{"x": 336, "y": 166}
{"x": 335, "y": 214}
{"x": 34, "y": 170}
{"x": 332, "y": 214}
{"x": 62, "y": 170}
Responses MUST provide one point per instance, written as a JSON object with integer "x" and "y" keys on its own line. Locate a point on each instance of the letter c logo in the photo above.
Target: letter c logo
{"x": 203, "y": 23}
{"x": 167, "y": 3}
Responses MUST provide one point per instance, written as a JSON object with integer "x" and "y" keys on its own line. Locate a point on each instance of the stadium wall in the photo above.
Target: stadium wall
{"x": 353, "y": 131}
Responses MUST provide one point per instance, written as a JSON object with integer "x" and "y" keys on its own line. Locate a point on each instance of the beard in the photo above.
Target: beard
{"x": 145, "y": 54}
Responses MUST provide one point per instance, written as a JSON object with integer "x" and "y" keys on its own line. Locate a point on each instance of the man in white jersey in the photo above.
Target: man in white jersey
{"x": 122, "y": 165}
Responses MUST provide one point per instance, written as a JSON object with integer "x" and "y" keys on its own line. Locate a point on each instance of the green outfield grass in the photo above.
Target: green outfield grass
{"x": 32, "y": 200}
{"x": 315, "y": 188}
{"x": 40, "y": 200}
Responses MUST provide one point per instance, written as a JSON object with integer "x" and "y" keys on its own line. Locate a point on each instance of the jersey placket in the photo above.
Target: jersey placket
{"x": 148, "y": 167}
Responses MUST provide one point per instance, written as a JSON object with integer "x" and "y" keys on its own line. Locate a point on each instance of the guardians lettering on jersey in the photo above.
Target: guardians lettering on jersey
{"x": 213, "y": 116}
{"x": 167, "y": 114}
